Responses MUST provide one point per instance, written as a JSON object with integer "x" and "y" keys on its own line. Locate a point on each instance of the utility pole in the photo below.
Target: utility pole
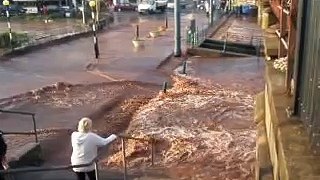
{"x": 93, "y": 4}
{"x": 97, "y": 10}
{"x": 177, "y": 27}
{"x": 211, "y": 12}
{"x": 74, "y": 3}
{"x": 6, "y": 4}
{"x": 83, "y": 12}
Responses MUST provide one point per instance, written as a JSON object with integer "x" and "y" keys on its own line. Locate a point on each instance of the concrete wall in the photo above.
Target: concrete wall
{"x": 288, "y": 143}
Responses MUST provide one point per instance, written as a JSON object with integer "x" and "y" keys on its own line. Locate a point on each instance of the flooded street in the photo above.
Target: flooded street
{"x": 233, "y": 73}
{"x": 119, "y": 60}
{"x": 203, "y": 124}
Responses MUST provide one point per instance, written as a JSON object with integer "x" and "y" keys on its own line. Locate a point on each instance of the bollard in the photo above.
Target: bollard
{"x": 184, "y": 67}
{"x": 137, "y": 31}
{"x": 166, "y": 22}
{"x": 124, "y": 158}
{"x": 165, "y": 86}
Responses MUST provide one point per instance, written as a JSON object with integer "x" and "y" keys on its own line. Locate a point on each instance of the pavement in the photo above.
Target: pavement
{"x": 37, "y": 29}
{"x": 245, "y": 73}
{"x": 242, "y": 29}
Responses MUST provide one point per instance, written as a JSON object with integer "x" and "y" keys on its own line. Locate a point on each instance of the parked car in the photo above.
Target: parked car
{"x": 201, "y": 5}
{"x": 67, "y": 11}
{"x": 170, "y": 4}
{"x": 13, "y": 10}
{"x": 125, "y": 7}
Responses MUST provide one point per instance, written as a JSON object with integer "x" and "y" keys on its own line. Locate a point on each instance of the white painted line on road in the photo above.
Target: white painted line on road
{"x": 99, "y": 73}
{"x": 142, "y": 20}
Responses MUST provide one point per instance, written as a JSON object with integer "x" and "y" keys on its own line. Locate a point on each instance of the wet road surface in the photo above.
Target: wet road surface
{"x": 67, "y": 62}
{"x": 244, "y": 73}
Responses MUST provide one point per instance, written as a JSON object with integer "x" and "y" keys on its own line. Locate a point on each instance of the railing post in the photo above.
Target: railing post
{"x": 152, "y": 150}
{"x": 96, "y": 170}
{"x": 225, "y": 43}
{"x": 197, "y": 35}
{"x": 35, "y": 127}
{"x": 258, "y": 49}
{"x": 124, "y": 158}
{"x": 251, "y": 40}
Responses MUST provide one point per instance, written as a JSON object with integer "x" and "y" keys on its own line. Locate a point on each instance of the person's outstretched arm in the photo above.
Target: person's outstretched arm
{"x": 100, "y": 141}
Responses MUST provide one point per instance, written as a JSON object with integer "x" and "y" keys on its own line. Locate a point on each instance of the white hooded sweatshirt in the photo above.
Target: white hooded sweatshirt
{"x": 85, "y": 148}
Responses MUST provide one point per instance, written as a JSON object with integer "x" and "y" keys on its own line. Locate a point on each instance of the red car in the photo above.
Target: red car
{"x": 125, "y": 7}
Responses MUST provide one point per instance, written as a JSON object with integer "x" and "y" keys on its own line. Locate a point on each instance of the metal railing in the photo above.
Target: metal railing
{"x": 257, "y": 44}
{"x": 197, "y": 37}
{"x": 123, "y": 145}
{"x": 35, "y": 133}
{"x": 94, "y": 161}
{"x": 251, "y": 36}
{"x": 53, "y": 168}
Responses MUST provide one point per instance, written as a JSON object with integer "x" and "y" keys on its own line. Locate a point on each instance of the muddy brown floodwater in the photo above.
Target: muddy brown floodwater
{"x": 203, "y": 132}
{"x": 115, "y": 102}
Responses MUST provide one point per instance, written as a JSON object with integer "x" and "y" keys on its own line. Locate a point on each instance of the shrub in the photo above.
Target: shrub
{"x": 55, "y": 15}
{"x": 17, "y": 39}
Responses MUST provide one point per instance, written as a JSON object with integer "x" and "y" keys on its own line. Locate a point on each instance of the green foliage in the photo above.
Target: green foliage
{"x": 17, "y": 39}
{"x": 55, "y": 15}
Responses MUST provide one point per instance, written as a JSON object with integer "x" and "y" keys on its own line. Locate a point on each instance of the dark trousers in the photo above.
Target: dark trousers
{"x": 1, "y": 168}
{"x": 82, "y": 175}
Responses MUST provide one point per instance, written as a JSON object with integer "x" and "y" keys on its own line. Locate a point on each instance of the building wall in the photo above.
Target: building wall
{"x": 308, "y": 70}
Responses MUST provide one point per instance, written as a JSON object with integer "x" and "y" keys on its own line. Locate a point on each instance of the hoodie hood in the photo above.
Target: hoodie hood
{"x": 80, "y": 138}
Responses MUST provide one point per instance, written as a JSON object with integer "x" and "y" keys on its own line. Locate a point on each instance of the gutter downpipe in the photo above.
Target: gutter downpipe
{"x": 301, "y": 30}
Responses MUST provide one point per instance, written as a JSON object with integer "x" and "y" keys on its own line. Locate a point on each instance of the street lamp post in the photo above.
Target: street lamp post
{"x": 92, "y": 4}
{"x": 6, "y": 4}
{"x": 83, "y": 2}
{"x": 211, "y": 13}
{"x": 177, "y": 32}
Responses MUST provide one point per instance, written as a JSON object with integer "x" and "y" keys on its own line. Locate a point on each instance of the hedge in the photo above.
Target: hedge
{"x": 17, "y": 39}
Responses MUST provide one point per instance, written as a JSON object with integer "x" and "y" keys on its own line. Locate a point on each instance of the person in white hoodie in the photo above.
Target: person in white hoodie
{"x": 85, "y": 148}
